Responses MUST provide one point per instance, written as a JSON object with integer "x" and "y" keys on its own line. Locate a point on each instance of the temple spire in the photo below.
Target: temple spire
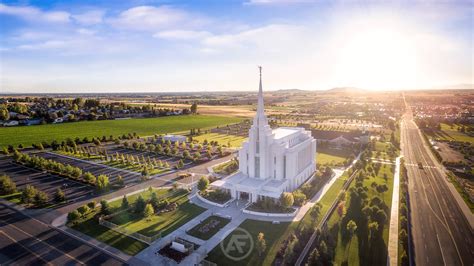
{"x": 260, "y": 106}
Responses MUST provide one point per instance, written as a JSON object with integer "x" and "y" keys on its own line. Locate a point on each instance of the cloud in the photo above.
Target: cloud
{"x": 91, "y": 17}
{"x": 273, "y": 2}
{"x": 34, "y": 14}
{"x": 43, "y": 45}
{"x": 148, "y": 18}
{"x": 182, "y": 35}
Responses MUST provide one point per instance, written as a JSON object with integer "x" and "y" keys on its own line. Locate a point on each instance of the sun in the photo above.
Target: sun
{"x": 376, "y": 56}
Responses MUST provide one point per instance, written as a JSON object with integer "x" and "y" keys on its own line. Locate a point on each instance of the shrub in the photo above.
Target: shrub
{"x": 91, "y": 205}
{"x": 287, "y": 200}
{"x": 41, "y": 198}
{"x": 203, "y": 183}
{"x": 149, "y": 211}
{"x": 28, "y": 194}
{"x": 104, "y": 207}
{"x": 59, "y": 196}
{"x": 73, "y": 216}
{"x": 83, "y": 210}
{"x": 7, "y": 186}
{"x": 299, "y": 197}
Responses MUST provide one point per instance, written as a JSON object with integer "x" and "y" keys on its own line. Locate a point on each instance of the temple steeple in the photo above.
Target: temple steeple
{"x": 260, "y": 116}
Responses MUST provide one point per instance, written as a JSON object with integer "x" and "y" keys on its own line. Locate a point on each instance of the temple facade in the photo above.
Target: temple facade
{"x": 271, "y": 161}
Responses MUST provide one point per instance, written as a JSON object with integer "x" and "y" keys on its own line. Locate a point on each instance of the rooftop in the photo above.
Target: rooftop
{"x": 283, "y": 132}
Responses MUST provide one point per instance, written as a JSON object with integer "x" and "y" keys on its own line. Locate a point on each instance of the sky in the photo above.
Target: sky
{"x": 216, "y": 45}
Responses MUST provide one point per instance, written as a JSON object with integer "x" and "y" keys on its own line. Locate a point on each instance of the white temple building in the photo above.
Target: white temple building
{"x": 271, "y": 161}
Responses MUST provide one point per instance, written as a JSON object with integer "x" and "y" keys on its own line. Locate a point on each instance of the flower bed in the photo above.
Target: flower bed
{"x": 209, "y": 227}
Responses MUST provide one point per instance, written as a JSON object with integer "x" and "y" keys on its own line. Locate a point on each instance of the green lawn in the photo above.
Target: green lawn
{"x": 126, "y": 244}
{"x": 272, "y": 233}
{"x": 146, "y": 194}
{"x": 342, "y": 252}
{"x": 331, "y": 156}
{"x": 135, "y": 168}
{"x": 222, "y": 139}
{"x": 200, "y": 231}
{"x": 28, "y": 135}
{"x": 164, "y": 222}
{"x": 448, "y": 133}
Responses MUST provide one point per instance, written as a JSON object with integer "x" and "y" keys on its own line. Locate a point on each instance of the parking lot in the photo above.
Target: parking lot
{"x": 22, "y": 176}
{"x": 95, "y": 168}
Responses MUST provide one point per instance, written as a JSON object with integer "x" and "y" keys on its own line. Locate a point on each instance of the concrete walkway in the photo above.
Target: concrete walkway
{"x": 392, "y": 258}
{"x": 149, "y": 254}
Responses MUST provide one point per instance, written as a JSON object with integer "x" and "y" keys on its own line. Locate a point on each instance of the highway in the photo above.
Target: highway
{"x": 27, "y": 241}
{"x": 441, "y": 233}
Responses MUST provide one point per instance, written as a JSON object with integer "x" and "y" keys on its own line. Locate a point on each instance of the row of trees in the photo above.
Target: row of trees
{"x": 66, "y": 170}
{"x": 182, "y": 150}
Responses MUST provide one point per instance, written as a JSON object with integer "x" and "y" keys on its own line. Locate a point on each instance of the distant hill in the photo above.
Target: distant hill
{"x": 345, "y": 90}
{"x": 289, "y": 91}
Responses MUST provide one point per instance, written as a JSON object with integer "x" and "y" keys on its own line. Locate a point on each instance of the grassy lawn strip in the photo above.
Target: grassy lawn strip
{"x": 13, "y": 198}
{"x": 143, "y": 127}
{"x": 165, "y": 222}
{"x": 209, "y": 227}
{"x": 461, "y": 191}
{"x": 135, "y": 168}
{"x": 271, "y": 231}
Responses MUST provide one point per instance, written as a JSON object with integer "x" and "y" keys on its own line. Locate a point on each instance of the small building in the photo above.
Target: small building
{"x": 174, "y": 138}
{"x": 11, "y": 123}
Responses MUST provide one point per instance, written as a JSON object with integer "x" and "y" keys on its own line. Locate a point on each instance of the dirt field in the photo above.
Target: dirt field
{"x": 448, "y": 154}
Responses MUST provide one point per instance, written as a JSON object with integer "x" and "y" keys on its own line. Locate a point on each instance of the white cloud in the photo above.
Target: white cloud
{"x": 148, "y": 18}
{"x": 86, "y": 31}
{"x": 34, "y": 14}
{"x": 271, "y": 2}
{"x": 90, "y": 17}
{"x": 52, "y": 44}
{"x": 182, "y": 35}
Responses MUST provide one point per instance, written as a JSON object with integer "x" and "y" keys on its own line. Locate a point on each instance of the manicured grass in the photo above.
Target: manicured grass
{"x": 146, "y": 194}
{"x": 352, "y": 254}
{"x": 92, "y": 228}
{"x": 165, "y": 222}
{"x": 448, "y": 133}
{"x": 28, "y": 135}
{"x": 222, "y": 139}
{"x": 200, "y": 231}
{"x": 272, "y": 233}
{"x": 136, "y": 168}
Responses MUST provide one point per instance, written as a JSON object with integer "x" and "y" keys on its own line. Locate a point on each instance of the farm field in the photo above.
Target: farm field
{"x": 27, "y": 135}
{"x": 447, "y": 133}
{"x": 222, "y": 139}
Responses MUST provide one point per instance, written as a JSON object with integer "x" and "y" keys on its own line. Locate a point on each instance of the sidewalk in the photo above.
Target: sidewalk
{"x": 392, "y": 258}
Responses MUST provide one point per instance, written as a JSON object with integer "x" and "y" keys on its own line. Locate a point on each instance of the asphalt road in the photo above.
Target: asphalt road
{"x": 26, "y": 241}
{"x": 441, "y": 234}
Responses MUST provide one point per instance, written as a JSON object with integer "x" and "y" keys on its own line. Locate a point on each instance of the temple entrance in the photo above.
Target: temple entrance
{"x": 244, "y": 196}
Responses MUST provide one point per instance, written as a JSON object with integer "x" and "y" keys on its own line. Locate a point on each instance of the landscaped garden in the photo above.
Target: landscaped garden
{"x": 153, "y": 212}
{"x": 209, "y": 227}
{"x": 227, "y": 167}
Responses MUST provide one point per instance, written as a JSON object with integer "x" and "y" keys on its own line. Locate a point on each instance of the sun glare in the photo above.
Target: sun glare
{"x": 377, "y": 57}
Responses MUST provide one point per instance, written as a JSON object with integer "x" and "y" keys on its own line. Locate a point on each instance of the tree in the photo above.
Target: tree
{"x": 120, "y": 180}
{"x": 104, "y": 207}
{"x": 315, "y": 211}
{"x": 28, "y": 194}
{"x": 149, "y": 211}
{"x": 83, "y": 210}
{"x": 351, "y": 228}
{"x": 286, "y": 200}
{"x": 125, "y": 203}
{"x": 314, "y": 257}
{"x": 140, "y": 204}
{"x": 373, "y": 229}
{"x": 261, "y": 244}
{"x": 102, "y": 182}
{"x": 154, "y": 200}
{"x": 41, "y": 198}
{"x": 194, "y": 108}
{"x": 7, "y": 186}
{"x": 203, "y": 183}
{"x": 180, "y": 164}
{"x": 299, "y": 197}
{"x": 59, "y": 196}
{"x": 73, "y": 216}
{"x": 89, "y": 177}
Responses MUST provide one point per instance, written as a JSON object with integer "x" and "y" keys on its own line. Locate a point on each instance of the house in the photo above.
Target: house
{"x": 174, "y": 138}
{"x": 271, "y": 161}
{"x": 340, "y": 138}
